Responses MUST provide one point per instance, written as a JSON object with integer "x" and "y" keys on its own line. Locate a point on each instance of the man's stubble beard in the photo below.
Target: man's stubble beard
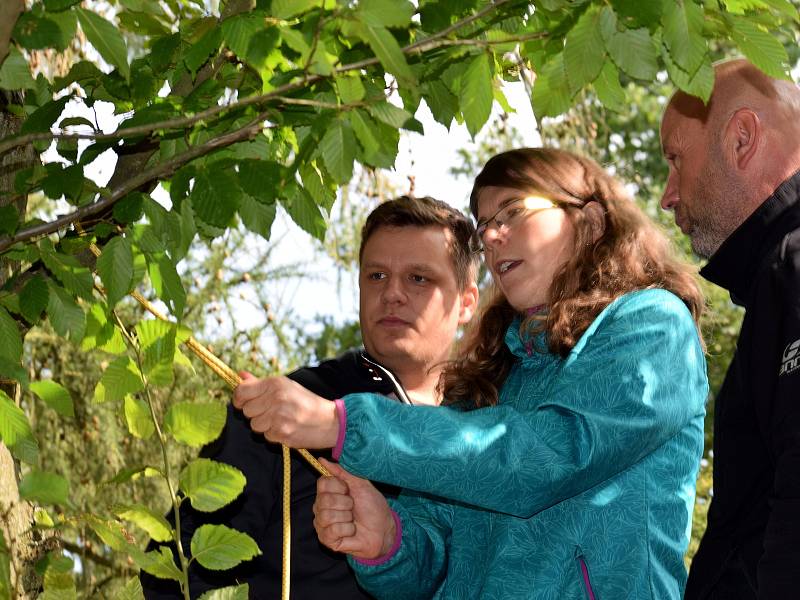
{"x": 718, "y": 216}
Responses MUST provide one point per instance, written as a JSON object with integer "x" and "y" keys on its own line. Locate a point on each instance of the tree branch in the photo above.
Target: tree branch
{"x": 430, "y": 43}
{"x": 133, "y": 183}
{"x": 10, "y": 10}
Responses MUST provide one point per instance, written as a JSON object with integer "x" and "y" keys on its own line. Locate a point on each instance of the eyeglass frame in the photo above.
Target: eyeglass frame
{"x": 476, "y": 240}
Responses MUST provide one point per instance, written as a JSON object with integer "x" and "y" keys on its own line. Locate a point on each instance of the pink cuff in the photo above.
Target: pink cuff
{"x": 398, "y": 535}
{"x": 341, "y": 414}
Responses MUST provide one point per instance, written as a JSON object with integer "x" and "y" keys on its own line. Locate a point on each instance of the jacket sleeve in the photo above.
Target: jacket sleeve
{"x": 626, "y": 388}
{"x": 419, "y": 566}
{"x": 779, "y": 567}
{"x": 249, "y": 513}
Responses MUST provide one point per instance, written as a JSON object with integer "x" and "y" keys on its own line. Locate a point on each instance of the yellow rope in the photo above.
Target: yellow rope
{"x": 232, "y": 378}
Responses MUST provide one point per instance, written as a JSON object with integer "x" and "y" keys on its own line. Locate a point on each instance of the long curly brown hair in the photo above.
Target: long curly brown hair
{"x": 631, "y": 254}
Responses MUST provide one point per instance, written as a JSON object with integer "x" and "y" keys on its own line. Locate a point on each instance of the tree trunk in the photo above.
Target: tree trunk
{"x": 16, "y": 517}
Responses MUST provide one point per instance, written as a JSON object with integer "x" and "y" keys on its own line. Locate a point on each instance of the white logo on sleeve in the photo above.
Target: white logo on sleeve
{"x": 791, "y": 358}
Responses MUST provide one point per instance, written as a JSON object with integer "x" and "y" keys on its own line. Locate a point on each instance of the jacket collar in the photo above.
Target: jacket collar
{"x": 735, "y": 265}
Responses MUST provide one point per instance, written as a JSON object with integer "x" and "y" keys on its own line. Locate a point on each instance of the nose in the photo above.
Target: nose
{"x": 494, "y": 234}
{"x": 670, "y": 197}
{"x": 393, "y": 291}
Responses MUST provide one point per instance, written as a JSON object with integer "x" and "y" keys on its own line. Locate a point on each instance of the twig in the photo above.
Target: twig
{"x": 430, "y": 43}
{"x": 135, "y": 182}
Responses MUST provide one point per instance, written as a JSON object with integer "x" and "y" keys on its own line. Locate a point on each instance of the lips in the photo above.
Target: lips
{"x": 392, "y": 321}
{"x": 501, "y": 267}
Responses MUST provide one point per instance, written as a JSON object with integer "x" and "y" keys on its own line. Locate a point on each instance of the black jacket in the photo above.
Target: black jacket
{"x": 751, "y": 547}
{"x": 315, "y": 572}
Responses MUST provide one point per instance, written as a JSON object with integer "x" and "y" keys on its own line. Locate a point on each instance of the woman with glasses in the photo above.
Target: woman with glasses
{"x": 566, "y": 465}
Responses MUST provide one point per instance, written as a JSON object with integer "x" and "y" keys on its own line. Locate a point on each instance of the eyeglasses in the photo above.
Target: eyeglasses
{"x": 507, "y": 216}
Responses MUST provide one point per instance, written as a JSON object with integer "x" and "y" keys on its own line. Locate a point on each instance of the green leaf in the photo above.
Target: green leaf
{"x": 683, "y": 34}
{"x": 784, "y": 8}
{"x": 35, "y": 32}
{"x": 120, "y": 378}
{"x": 633, "y": 50}
{"x": 129, "y": 209}
{"x": 211, "y": 485}
{"x": 137, "y": 416}
{"x": 157, "y": 342}
{"x": 167, "y": 283}
{"x": 762, "y": 48}
{"x": 115, "y": 267}
{"x": 64, "y": 314}
{"x": 608, "y": 88}
{"x": 10, "y": 338}
{"x": 74, "y": 276}
{"x": 9, "y": 219}
{"x": 203, "y": 48}
{"x": 238, "y": 30}
{"x": 66, "y": 181}
{"x": 260, "y": 179}
{"x": 102, "y": 333}
{"x": 388, "y": 52}
{"x": 33, "y": 299}
{"x": 55, "y": 396}
{"x": 551, "y": 95}
{"x": 305, "y": 213}
{"x": 132, "y": 590}
{"x": 14, "y": 371}
{"x": 739, "y": 7}
{"x": 386, "y": 13}
{"x": 58, "y": 5}
{"x": 442, "y": 102}
{"x": 218, "y": 547}
{"x": 584, "y": 51}
{"x": 363, "y": 127}
{"x": 215, "y": 196}
{"x": 638, "y": 13}
{"x": 232, "y": 592}
{"x": 44, "y": 487}
{"x": 350, "y": 88}
{"x": 392, "y": 115}
{"x": 194, "y": 423}
{"x": 15, "y": 73}
{"x": 58, "y": 581}
{"x": 133, "y": 473}
{"x": 257, "y": 217}
{"x": 338, "y": 150}
{"x": 476, "y": 93}
{"x": 43, "y": 117}
{"x": 106, "y": 39}
{"x": 15, "y": 430}
{"x": 286, "y": 9}
{"x": 155, "y": 525}
{"x": 700, "y": 85}
{"x": 159, "y": 563}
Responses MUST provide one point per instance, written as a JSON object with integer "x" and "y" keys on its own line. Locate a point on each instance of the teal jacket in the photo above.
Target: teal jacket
{"x": 578, "y": 484}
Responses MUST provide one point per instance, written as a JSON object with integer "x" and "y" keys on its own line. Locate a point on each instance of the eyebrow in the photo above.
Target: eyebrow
{"x": 412, "y": 267}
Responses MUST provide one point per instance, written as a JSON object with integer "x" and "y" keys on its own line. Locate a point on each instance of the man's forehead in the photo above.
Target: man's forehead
{"x": 682, "y": 117}
{"x": 410, "y": 244}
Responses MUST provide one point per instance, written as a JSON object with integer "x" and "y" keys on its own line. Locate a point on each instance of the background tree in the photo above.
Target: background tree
{"x": 235, "y": 111}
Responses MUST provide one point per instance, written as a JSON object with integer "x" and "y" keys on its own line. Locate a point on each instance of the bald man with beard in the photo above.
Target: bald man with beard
{"x": 734, "y": 188}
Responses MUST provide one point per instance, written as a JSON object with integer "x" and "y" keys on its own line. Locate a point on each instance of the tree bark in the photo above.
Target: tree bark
{"x": 16, "y": 516}
{"x": 10, "y": 10}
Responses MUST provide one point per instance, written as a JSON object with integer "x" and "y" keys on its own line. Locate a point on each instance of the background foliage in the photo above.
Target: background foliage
{"x": 235, "y": 110}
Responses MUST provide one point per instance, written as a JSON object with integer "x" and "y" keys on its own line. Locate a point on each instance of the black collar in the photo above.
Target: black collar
{"x": 737, "y": 262}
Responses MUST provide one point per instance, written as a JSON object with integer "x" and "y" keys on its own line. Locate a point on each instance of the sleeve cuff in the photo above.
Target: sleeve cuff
{"x": 341, "y": 414}
{"x": 398, "y": 536}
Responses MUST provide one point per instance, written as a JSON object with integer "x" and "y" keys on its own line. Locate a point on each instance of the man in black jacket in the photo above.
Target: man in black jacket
{"x": 734, "y": 186}
{"x": 417, "y": 286}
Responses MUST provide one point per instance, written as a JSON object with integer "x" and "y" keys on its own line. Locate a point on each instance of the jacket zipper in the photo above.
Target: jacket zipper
{"x": 585, "y": 576}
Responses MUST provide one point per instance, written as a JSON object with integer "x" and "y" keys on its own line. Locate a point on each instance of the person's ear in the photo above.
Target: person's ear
{"x": 469, "y": 303}
{"x": 741, "y": 137}
{"x": 596, "y": 215}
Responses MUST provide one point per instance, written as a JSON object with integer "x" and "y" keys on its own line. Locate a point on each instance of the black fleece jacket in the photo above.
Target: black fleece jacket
{"x": 316, "y": 572}
{"x": 751, "y": 547}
